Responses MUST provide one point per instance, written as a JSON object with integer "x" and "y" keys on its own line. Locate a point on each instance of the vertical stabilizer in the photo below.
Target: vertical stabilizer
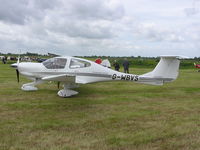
{"x": 166, "y": 70}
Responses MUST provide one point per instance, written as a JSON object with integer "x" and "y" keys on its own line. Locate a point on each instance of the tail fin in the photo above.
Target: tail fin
{"x": 166, "y": 70}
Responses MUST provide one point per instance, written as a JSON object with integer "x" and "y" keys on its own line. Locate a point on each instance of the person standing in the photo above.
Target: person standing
{"x": 3, "y": 60}
{"x": 98, "y": 61}
{"x": 126, "y": 65}
{"x": 116, "y": 65}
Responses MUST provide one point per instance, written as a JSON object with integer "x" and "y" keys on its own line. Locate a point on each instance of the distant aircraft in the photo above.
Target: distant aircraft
{"x": 197, "y": 66}
{"x": 72, "y": 71}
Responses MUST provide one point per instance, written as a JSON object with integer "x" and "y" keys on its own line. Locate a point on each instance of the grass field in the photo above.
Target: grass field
{"x": 104, "y": 116}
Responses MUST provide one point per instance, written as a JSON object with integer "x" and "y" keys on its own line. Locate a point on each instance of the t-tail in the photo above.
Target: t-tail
{"x": 167, "y": 70}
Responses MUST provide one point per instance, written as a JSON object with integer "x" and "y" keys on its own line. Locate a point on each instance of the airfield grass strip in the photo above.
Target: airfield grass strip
{"x": 103, "y": 116}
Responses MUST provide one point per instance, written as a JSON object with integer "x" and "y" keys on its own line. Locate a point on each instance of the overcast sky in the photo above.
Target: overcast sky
{"x": 101, "y": 27}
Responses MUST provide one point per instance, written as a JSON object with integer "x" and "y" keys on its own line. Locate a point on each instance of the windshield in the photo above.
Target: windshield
{"x": 55, "y": 63}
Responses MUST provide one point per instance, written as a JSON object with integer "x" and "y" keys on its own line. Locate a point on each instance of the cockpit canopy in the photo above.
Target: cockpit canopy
{"x": 60, "y": 63}
{"x": 76, "y": 63}
{"x": 55, "y": 63}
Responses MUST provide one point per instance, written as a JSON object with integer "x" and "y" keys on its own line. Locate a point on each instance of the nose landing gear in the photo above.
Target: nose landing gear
{"x": 31, "y": 86}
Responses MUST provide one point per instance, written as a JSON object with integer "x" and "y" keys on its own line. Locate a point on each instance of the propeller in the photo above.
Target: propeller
{"x": 16, "y": 66}
{"x": 58, "y": 85}
{"x": 17, "y": 71}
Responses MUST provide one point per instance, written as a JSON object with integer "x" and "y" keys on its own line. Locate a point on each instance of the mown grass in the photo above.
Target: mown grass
{"x": 104, "y": 116}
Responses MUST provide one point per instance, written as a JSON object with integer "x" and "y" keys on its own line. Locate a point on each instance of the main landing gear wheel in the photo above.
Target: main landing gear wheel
{"x": 66, "y": 93}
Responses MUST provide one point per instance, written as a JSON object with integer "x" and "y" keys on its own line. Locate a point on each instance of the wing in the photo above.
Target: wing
{"x": 61, "y": 78}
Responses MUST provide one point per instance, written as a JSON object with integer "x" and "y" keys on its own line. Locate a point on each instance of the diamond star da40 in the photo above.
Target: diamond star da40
{"x": 72, "y": 71}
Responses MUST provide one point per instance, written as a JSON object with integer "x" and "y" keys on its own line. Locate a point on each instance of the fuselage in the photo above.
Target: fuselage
{"x": 72, "y": 71}
{"x": 85, "y": 71}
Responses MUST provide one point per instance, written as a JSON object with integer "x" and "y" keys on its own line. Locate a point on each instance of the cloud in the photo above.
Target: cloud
{"x": 157, "y": 33}
{"x": 98, "y": 27}
{"x": 11, "y": 12}
{"x": 95, "y": 9}
{"x": 191, "y": 11}
{"x": 87, "y": 19}
{"x": 20, "y": 11}
{"x": 58, "y": 24}
{"x": 195, "y": 9}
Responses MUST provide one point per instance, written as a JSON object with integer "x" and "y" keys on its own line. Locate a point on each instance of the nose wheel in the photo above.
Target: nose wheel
{"x": 31, "y": 86}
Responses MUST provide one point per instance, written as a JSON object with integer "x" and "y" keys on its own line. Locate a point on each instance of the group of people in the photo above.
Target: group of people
{"x": 125, "y": 65}
{"x": 116, "y": 65}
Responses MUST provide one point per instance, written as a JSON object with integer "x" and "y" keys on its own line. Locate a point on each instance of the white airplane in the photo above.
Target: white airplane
{"x": 72, "y": 71}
